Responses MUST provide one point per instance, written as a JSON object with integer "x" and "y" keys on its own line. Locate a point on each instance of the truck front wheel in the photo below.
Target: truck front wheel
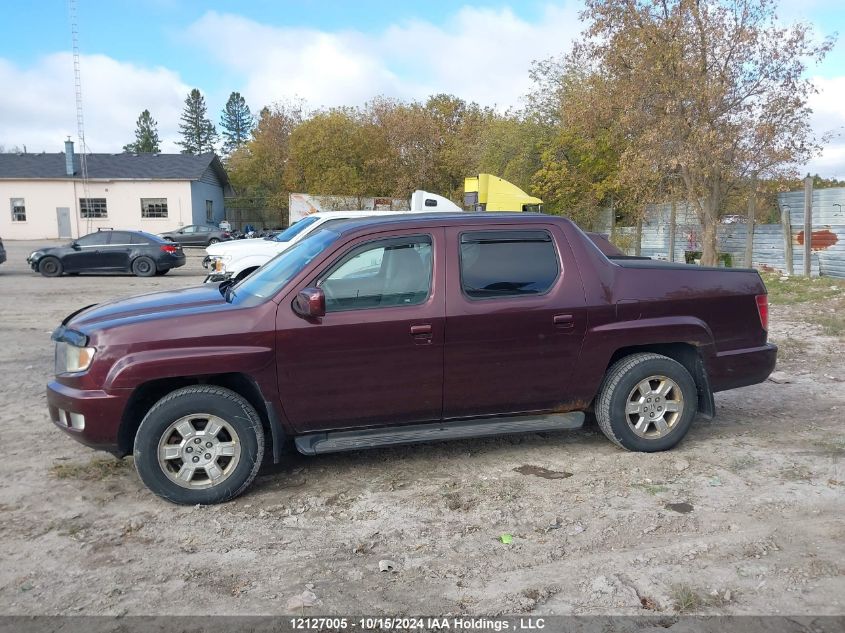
{"x": 646, "y": 403}
{"x": 199, "y": 445}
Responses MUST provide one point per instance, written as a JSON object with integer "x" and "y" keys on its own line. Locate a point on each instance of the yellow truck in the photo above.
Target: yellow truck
{"x": 491, "y": 193}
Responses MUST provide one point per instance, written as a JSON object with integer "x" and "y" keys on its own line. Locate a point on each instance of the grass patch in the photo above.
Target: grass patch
{"x": 832, "y": 324}
{"x": 797, "y": 289}
{"x": 96, "y": 469}
{"x": 652, "y": 489}
{"x": 686, "y": 599}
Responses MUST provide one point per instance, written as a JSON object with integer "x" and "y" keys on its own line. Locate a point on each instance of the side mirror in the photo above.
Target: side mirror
{"x": 75, "y": 246}
{"x": 310, "y": 303}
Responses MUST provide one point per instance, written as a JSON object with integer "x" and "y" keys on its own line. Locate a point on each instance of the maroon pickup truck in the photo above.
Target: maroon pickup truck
{"x": 381, "y": 331}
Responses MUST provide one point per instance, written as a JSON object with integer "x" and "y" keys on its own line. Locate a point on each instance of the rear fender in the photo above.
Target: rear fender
{"x": 603, "y": 341}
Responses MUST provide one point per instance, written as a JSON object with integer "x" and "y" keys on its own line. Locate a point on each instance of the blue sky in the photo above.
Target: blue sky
{"x": 148, "y": 53}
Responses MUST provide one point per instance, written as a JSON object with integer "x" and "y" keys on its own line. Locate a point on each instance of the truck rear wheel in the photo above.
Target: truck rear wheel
{"x": 646, "y": 403}
{"x": 199, "y": 445}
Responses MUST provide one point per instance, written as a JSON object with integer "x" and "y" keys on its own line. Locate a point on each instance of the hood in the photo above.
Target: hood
{"x": 169, "y": 304}
{"x": 241, "y": 248}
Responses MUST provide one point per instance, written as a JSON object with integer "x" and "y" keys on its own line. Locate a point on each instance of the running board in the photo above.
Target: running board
{"x": 337, "y": 441}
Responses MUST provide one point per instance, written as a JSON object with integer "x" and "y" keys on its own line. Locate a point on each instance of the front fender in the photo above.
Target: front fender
{"x": 251, "y": 261}
{"x": 139, "y": 367}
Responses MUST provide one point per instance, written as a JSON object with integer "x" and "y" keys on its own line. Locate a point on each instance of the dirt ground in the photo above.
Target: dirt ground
{"x": 746, "y": 516}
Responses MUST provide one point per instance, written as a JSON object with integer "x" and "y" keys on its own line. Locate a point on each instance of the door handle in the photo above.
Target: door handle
{"x": 421, "y": 331}
{"x": 564, "y": 321}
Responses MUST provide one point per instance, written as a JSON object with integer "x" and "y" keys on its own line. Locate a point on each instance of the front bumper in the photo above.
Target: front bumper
{"x": 742, "y": 367}
{"x": 91, "y": 417}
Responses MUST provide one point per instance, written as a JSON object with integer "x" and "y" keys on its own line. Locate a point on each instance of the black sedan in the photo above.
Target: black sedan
{"x": 2, "y": 252}
{"x": 197, "y": 235}
{"x": 142, "y": 254}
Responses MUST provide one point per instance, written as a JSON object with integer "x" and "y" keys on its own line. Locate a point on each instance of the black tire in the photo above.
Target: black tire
{"x": 213, "y": 240}
{"x": 162, "y": 272}
{"x": 620, "y": 383}
{"x": 143, "y": 267}
{"x": 200, "y": 400}
{"x": 50, "y": 267}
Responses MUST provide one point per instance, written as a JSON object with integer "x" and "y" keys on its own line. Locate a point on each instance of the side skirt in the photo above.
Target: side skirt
{"x": 337, "y": 441}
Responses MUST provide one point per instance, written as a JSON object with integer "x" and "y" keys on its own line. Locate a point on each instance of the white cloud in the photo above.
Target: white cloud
{"x": 38, "y": 106}
{"x": 479, "y": 54}
{"x": 829, "y": 118}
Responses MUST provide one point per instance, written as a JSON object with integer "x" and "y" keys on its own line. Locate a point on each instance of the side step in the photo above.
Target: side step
{"x": 337, "y": 441}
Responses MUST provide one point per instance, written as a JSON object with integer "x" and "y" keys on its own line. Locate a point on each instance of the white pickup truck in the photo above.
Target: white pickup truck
{"x": 238, "y": 258}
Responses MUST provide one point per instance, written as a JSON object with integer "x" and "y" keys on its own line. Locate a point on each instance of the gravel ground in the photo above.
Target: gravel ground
{"x": 746, "y": 516}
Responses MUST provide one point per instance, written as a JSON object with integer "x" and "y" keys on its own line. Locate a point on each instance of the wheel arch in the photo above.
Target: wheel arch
{"x": 688, "y": 355}
{"x": 145, "y": 395}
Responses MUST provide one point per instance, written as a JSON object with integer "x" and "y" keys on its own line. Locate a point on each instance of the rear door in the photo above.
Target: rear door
{"x": 376, "y": 357}
{"x": 516, "y": 319}
{"x": 115, "y": 254}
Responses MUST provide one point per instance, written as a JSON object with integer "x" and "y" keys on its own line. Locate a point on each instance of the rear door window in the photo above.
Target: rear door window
{"x": 120, "y": 238}
{"x": 507, "y": 263}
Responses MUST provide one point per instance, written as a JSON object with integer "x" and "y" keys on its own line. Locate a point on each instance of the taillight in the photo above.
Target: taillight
{"x": 763, "y": 310}
{"x": 169, "y": 248}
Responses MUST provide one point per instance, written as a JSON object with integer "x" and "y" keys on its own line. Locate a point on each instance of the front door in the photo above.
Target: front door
{"x": 516, "y": 318}
{"x": 376, "y": 357}
{"x": 63, "y": 220}
{"x": 87, "y": 252}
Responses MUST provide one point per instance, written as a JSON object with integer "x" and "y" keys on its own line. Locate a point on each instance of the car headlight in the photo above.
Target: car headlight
{"x": 70, "y": 358}
{"x": 218, "y": 264}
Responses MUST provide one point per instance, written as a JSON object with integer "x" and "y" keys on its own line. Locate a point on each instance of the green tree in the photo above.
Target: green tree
{"x": 146, "y": 136}
{"x": 236, "y": 123}
{"x": 198, "y": 133}
{"x": 257, "y": 168}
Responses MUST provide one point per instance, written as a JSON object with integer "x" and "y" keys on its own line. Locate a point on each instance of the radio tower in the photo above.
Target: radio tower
{"x": 80, "y": 120}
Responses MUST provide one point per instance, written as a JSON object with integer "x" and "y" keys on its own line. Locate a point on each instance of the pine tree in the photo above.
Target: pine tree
{"x": 146, "y": 136}
{"x": 198, "y": 133}
{"x": 236, "y": 123}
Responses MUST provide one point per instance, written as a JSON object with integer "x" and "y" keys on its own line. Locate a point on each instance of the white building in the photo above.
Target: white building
{"x": 47, "y": 198}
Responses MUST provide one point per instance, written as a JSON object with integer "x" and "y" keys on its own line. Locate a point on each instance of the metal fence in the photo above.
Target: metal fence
{"x": 827, "y": 239}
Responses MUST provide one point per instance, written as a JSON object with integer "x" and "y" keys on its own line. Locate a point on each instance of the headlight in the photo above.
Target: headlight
{"x": 218, "y": 264}
{"x": 70, "y": 358}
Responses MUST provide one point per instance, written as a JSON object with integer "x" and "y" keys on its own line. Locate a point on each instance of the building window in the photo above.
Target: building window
{"x": 93, "y": 208}
{"x": 153, "y": 207}
{"x": 209, "y": 211}
{"x": 18, "y": 210}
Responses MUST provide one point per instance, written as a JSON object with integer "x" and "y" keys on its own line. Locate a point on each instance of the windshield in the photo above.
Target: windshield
{"x": 272, "y": 276}
{"x": 295, "y": 229}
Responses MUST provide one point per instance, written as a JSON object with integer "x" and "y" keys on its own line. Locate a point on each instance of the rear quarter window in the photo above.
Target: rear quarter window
{"x": 507, "y": 263}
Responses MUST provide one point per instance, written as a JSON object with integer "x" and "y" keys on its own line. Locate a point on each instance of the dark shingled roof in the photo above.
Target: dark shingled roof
{"x": 113, "y": 166}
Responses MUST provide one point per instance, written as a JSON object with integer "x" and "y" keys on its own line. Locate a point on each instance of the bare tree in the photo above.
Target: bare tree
{"x": 711, "y": 89}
